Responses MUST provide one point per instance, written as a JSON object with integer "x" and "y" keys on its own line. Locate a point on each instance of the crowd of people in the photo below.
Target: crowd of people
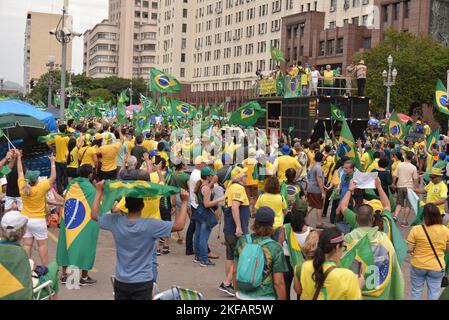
{"x": 294, "y": 206}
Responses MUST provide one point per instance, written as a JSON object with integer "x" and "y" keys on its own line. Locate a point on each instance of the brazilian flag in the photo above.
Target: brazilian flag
{"x": 347, "y": 146}
{"x": 376, "y": 258}
{"x": 116, "y": 189}
{"x": 432, "y": 139}
{"x": 121, "y": 112}
{"x": 296, "y": 255}
{"x": 276, "y": 54}
{"x": 182, "y": 109}
{"x": 162, "y": 82}
{"x": 247, "y": 115}
{"x": 78, "y": 233}
{"x": 292, "y": 87}
{"x": 441, "y": 98}
{"x": 395, "y": 127}
{"x": 199, "y": 113}
{"x": 15, "y": 272}
{"x": 336, "y": 114}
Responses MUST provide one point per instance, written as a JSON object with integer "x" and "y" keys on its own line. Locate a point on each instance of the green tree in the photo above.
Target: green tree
{"x": 101, "y": 93}
{"x": 420, "y": 61}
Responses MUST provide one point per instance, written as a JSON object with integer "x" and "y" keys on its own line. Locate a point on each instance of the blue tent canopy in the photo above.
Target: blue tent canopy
{"x": 21, "y": 107}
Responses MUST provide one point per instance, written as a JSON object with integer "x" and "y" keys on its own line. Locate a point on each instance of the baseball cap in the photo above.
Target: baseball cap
{"x": 376, "y": 205}
{"x": 199, "y": 160}
{"x": 32, "y": 176}
{"x": 238, "y": 172}
{"x": 265, "y": 216}
{"x": 286, "y": 149}
{"x": 98, "y": 136}
{"x": 436, "y": 172}
{"x": 207, "y": 172}
{"x": 13, "y": 221}
{"x": 300, "y": 206}
{"x": 442, "y": 155}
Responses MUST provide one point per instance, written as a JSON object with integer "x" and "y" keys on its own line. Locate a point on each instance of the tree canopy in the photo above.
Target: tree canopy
{"x": 419, "y": 60}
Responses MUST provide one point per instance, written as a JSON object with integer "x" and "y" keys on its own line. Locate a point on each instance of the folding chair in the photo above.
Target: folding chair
{"x": 44, "y": 291}
{"x": 178, "y": 293}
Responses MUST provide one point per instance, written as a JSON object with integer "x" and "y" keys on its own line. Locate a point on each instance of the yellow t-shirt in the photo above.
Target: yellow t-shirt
{"x": 70, "y": 130}
{"x": 340, "y": 284}
{"x": 109, "y": 156}
{"x": 328, "y": 165}
{"x": 373, "y": 166}
{"x": 165, "y": 156}
{"x": 365, "y": 161}
{"x": 35, "y": 204}
{"x": 423, "y": 256}
{"x": 129, "y": 145}
{"x": 328, "y": 77}
{"x": 86, "y": 155}
{"x": 74, "y": 162}
{"x": 275, "y": 202}
{"x": 395, "y": 165}
{"x": 283, "y": 163}
{"x": 250, "y": 163}
{"x": 420, "y": 148}
{"x": 268, "y": 172}
{"x": 311, "y": 158}
{"x": 236, "y": 192}
{"x": 151, "y": 209}
{"x": 427, "y": 129}
{"x": 218, "y": 164}
{"x": 149, "y": 145}
{"x": 435, "y": 193}
{"x": 61, "y": 148}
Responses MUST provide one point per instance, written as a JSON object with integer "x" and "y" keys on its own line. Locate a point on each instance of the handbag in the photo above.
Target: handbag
{"x": 445, "y": 280}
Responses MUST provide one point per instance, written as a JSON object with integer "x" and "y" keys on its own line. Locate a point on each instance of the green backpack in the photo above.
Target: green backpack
{"x": 251, "y": 264}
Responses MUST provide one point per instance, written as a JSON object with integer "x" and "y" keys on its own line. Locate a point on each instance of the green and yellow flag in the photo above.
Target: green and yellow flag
{"x": 336, "y": 114}
{"x": 247, "y": 115}
{"x": 276, "y": 54}
{"x": 121, "y": 107}
{"x": 432, "y": 139}
{"x": 395, "y": 127}
{"x": 292, "y": 87}
{"x": 162, "y": 82}
{"x": 347, "y": 146}
{"x": 78, "y": 234}
{"x": 15, "y": 272}
{"x": 296, "y": 256}
{"x": 114, "y": 190}
{"x": 182, "y": 109}
{"x": 441, "y": 98}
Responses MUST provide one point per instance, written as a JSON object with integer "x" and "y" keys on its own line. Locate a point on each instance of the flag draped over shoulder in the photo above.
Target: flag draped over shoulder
{"x": 277, "y": 55}
{"x": 162, "y": 82}
{"x": 440, "y": 102}
{"x": 296, "y": 256}
{"x": 375, "y": 256}
{"x": 432, "y": 139}
{"x": 247, "y": 115}
{"x": 78, "y": 233}
{"x": 116, "y": 189}
{"x": 15, "y": 272}
{"x": 395, "y": 127}
{"x": 336, "y": 114}
{"x": 347, "y": 146}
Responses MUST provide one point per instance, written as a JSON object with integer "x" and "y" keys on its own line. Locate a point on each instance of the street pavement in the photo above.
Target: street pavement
{"x": 175, "y": 268}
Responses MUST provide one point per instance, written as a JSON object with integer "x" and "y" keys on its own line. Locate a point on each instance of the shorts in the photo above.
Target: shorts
{"x": 231, "y": 241}
{"x": 252, "y": 191}
{"x": 37, "y": 229}
{"x": 72, "y": 172}
{"x": 313, "y": 86}
{"x": 107, "y": 175}
{"x": 403, "y": 198}
{"x": 9, "y": 201}
{"x": 315, "y": 200}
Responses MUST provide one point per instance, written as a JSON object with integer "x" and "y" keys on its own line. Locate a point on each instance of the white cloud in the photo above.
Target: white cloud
{"x": 85, "y": 13}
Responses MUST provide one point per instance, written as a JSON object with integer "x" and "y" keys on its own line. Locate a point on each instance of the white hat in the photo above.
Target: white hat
{"x": 13, "y": 221}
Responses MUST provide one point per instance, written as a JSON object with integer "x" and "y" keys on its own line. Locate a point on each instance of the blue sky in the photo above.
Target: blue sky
{"x": 86, "y": 13}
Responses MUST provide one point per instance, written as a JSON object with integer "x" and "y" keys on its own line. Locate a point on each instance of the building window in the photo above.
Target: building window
{"x": 340, "y": 43}
{"x": 385, "y": 11}
{"x": 137, "y": 14}
{"x": 332, "y": 25}
{"x": 184, "y": 27}
{"x": 183, "y": 57}
{"x": 406, "y": 9}
{"x": 330, "y": 47}
{"x": 321, "y": 51}
{"x": 396, "y": 9}
{"x": 367, "y": 43}
{"x": 355, "y": 3}
{"x": 365, "y": 20}
{"x": 184, "y": 13}
{"x": 355, "y": 21}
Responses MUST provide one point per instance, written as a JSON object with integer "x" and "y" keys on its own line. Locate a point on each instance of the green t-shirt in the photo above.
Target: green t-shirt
{"x": 274, "y": 263}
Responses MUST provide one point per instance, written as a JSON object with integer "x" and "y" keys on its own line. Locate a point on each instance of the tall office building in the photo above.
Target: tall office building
{"x": 123, "y": 45}
{"x": 40, "y": 45}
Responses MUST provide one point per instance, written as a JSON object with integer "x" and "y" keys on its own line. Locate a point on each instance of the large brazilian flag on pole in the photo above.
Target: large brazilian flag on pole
{"x": 347, "y": 146}
{"x": 162, "y": 82}
{"x": 78, "y": 233}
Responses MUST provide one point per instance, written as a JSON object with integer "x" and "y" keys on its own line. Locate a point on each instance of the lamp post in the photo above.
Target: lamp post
{"x": 389, "y": 80}
{"x": 1, "y": 83}
{"x": 64, "y": 36}
{"x": 130, "y": 92}
{"x": 50, "y": 65}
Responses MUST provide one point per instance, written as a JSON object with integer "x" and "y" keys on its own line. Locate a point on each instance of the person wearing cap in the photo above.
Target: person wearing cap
{"x": 436, "y": 190}
{"x": 61, "y": 144}
{"x": 360, "y": 74}
{"x": 321, "y": 279}
{"x": 284, "y": 162}
{"x": 15, "y": 272}
{"x": 405, "y": 176}
{"x": 34, "y": 198}
{"x": 108, "y": 153}
{"x": 236, "y": 216}
{"x": 296, "y": 233}
{"x": 251, "y": 186}
{"x": 204, "y": 215}
{"x": 316, "y": 194}
{"x": 195, "y": 176}
{"x": 275, "y": 265}
{"x": 87, "y": 154}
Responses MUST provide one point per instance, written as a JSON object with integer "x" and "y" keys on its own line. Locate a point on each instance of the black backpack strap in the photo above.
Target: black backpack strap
{"x": 433, "y": 248}
{"x": 318, "y": 289}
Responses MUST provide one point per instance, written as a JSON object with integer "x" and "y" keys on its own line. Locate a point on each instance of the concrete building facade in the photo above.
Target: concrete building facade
{"x": 40, "y": 45}
{"x": 123, "y": 45}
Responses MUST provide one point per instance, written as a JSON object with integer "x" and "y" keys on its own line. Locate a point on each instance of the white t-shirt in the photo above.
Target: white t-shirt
{"x": 194, "y": 178}
{"x": 315, "y": 76}
{"x": 406, "y": 173}
{"x": 300, "y": 237}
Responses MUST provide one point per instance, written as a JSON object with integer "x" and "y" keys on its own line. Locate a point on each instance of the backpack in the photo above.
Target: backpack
{"x": 251, "y": 265}
{"x": 292, "y": 195}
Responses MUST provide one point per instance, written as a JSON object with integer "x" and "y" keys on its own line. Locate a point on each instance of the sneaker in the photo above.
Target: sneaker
{"x": 158, "y": 252}
{"x": 227, "y": 289}
{"x": 166, "y": 250}
{"x": 196, "y": 259}
{"x": 206, "y": 263}
{"x": 87, "y": 281}
{"x": 63, "y": 279}
{"x": 189, "y": 253}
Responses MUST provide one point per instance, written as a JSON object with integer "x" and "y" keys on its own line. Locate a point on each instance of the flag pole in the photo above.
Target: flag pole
{"x": 7, "y": 138}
